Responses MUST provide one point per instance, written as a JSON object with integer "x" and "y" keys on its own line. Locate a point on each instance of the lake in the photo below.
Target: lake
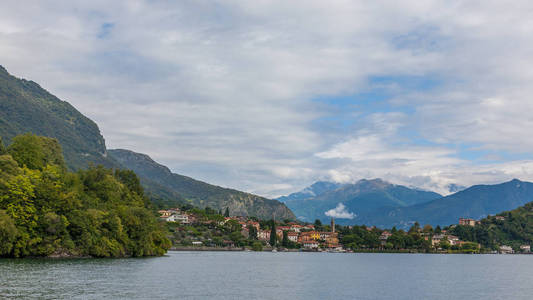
{"x": 265, "y": 275}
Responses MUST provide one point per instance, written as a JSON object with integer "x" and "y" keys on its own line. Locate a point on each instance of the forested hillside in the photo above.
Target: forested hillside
{"x": 27, "y": 107}
{"x": 160, "y": 181}
{"x": 47, "y": 211}
{"x": 512, "y": 228}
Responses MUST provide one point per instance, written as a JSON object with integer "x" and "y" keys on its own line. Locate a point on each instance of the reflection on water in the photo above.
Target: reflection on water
{"x": 250, "y": 275}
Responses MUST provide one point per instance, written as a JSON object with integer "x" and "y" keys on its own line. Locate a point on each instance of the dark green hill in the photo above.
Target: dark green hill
{"x": 196, "y": 192}
{"x": 27, "y": 107}
{"x": 360, "y": 198}
{"x": 513, "y": 228}
{"x": 475, "y": 202}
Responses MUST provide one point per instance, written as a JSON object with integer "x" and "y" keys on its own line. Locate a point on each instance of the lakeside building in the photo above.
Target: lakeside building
{"x": 525, "y": 248}
{"x": 385, "y": 235}
{"x": 293, "y": 236}
{"x": 175, "y": 215}
{"x": 504, "y": 249}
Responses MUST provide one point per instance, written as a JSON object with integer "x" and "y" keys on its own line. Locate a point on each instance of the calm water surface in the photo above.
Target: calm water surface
{"x": 250, "y": 275}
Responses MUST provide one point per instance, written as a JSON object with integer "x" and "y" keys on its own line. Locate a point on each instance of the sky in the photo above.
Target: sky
{"x": 270, "y": 96}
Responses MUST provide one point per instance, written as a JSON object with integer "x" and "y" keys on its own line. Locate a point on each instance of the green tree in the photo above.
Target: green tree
{"x": 226, "y": 213}
{"x": 285, "y": 241}
{"x": 257, "y": 246}
{"x": 95, "y": 212}
{"x": 273, "y": 236}
{"x": 35, "y": 152}
{"x": 252, "y": 233}
{"x": 8, "y": 233}
{"x": 3, "y": 149}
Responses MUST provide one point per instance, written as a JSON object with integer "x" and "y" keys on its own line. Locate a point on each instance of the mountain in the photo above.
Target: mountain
{"x": 27, "y": 107}
{"x": 360, "y": 198}
{"x": 316, "y": 189}
{"x": 196, "y": 192}
{"x": 475, "y": 202}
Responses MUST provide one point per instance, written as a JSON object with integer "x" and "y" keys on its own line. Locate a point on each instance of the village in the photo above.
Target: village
{"x": 304, "y": 235}
{"x": 307, "y": 237}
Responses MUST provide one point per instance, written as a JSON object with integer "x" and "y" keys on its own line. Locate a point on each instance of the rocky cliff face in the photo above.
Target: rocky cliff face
{"x": 159, "y": 180}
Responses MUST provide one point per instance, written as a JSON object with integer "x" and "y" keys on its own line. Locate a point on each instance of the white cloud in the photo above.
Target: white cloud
{"x": 340, "y": 212}
{"x": 224, "y": 91}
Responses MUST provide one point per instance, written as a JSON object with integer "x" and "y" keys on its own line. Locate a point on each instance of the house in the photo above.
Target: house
{"x": 253, "y": 224}
{"x": 310, "y": 244}
{"x": 309, "y": 227}
{"x": 525, "y": 248}
{"x": 309, "y": 236}
{"x": 506, "y": 249}
{"x": 293, "y": 236}
{"x": 383, "y": 237}
{"x": 165, "y": 213}
{"x": 182, "y": 218}
{"x": 296, "y": 227}
{"x": 263, "y": 235}
{"x": 453, "y": 239}
{"x": 499, "y": 218}
{"x": 332, "y": 241}
{"x": 435, "y": 240}
{"x": 467, "y": 222}
{"x": 325, "y": 235}
{"x": 197, "y": 243}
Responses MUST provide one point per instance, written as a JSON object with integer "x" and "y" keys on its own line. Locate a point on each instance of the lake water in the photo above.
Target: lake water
{"x": 263, "y": 275}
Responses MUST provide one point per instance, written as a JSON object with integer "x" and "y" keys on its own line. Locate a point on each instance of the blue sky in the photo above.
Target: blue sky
{"x": 270, "y": 96}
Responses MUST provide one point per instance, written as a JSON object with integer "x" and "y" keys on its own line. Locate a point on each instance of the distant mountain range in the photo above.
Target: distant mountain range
{"x": 475, "y": 202}
{"x": 378, "y": 203}
{"x": 360, "y": 198}
{"x": 27, "y": 107}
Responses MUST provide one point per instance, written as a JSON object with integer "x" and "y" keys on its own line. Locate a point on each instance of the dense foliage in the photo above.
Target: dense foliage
{"x": 46, "y": 210}
{"x": 514, "y": 229}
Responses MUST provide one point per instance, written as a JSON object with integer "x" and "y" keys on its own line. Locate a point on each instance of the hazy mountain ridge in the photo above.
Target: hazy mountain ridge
{"x": 475, "y": 202}
{"x": 197, "y": 192}
{"x": 360, "y": 198}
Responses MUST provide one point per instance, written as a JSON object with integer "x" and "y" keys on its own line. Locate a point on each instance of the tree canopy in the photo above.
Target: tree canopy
{"x": 45, "y": 210}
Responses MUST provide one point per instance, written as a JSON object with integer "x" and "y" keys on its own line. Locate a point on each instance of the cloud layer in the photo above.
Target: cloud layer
{"x": 340, "y": 212}
{"x": 268, "y": 96}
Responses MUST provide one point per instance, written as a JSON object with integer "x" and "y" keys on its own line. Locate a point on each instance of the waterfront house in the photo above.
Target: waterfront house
{"x": 293, "y": 236}
{"x": 435, "y": 240}
{"x": 310, "y": 244}
{"x": 504, "y": 249}
{"x": 525, "y": 248}
{"x": 384, "y": 236}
